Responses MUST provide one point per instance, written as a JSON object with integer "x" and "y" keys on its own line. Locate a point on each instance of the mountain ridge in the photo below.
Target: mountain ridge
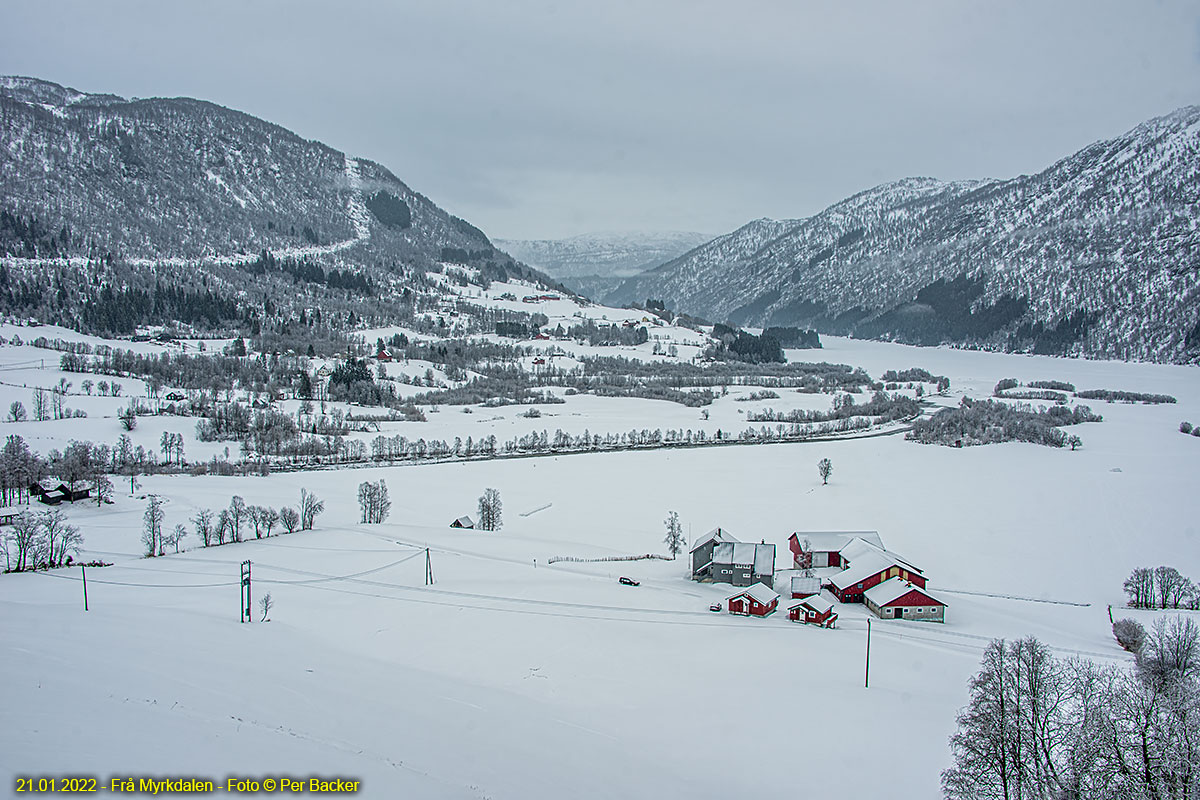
{"x": 100, "y": 191}
{"x": 1096, "y": 255}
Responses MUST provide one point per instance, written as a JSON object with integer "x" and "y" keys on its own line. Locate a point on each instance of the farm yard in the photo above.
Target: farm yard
{"x": 510, "y": 676}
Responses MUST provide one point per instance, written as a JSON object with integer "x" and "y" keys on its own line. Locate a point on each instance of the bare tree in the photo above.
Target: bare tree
{"x": 1171, "y": 587}
{"x": 41, "y": 405}
{"x": 1139, "y": 586}
{"x": 373, "y": 500}
{"x": 223, "y": 529}
{"x": 269, "y": 518}
{"x": 204, "y": 526}
{"x": 128, "y": 418}
{"x": 152, "y": 527}
{"x": 1171, "y": 653}
{"x": 237, "y": 513}
{"x": 674, "y": 538}
{"x": 824, "y": 469}
{"x": 176, "y": 536}
{"x": 26, "y": 539}
{"x": 16, "y": 411}
{"x": 253, "y": 514}
{"x": 266, "y": 604}
{"x": 61, "y": 538}
{"x": 310, "y": 508}
{"x": 289, "y": 518}
{"x": 102, "y": 488}
{"x": 490, "y": 510}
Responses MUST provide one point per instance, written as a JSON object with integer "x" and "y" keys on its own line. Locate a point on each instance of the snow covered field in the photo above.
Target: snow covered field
{"x": 511, "y": 678}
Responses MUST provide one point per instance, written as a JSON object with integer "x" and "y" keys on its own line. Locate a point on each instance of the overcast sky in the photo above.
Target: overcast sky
{"x": 544, "y": 119}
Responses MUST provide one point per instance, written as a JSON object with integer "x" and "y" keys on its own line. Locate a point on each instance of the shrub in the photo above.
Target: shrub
{"x": 1185, "y": 427}
{"x": 1130, "y": 634}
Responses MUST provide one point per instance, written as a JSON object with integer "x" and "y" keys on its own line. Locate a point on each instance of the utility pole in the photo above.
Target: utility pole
{"x": 428, "y": 569}
{"x": 867, "y": 673}
{"x": 247, "y": 610}
{"x": 84, "y": 570}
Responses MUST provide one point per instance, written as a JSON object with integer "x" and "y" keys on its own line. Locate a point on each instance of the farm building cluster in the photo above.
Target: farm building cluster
{"x": 842, "y": 566}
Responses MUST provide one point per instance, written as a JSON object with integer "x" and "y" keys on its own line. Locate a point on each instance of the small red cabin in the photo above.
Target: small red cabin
{"x": 815, "y": 610}
{"x": 758, "y": 600}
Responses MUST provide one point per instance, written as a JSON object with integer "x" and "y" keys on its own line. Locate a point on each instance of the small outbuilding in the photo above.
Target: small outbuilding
{"x": 463, "y": 522}
{"x": 9, "y": 513}
{"x": 897, "y": 598}
{"x": 758, "y": 600}
{"x": 814, "y": 610}
{"x": 803, "y": 587}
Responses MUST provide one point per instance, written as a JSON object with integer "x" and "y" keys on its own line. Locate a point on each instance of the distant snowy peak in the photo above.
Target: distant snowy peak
{"x": 604, "y": 254}
{"x": 1097, "y": 255}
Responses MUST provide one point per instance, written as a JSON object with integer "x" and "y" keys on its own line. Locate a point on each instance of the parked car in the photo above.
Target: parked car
{"x": 715, "y": 607}
{"x": 629, "y": 581}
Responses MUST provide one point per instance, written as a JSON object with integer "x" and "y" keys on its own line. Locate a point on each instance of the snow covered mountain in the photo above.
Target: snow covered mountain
{"x": 1097, "y": 255}
{"x": 196, "y": 189}
{"x": 594, "y": 263}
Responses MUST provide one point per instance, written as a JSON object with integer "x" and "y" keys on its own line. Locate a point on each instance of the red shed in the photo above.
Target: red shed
{"x": 814, "y": 610}
{"x": 758, "y": 600}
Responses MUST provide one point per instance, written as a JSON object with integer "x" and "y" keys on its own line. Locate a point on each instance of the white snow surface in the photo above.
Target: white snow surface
{"x": 509, "y": 678}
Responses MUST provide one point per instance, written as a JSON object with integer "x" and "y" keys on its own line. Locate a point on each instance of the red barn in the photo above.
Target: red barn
{"x": 815, "y": 610}
{"x": 896, "y": 598}
{"x": 870, "y": 566}
{"x": 758, "y": 600}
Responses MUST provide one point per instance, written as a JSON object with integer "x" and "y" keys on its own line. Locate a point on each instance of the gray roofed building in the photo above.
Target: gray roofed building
{"x": 702, "y": 551}
{"x": 743, "y": 563}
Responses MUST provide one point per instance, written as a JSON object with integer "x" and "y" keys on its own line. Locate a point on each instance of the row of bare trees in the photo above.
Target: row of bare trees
{"x": 1043, "y": 728}
{"x": 1161, "y": 587}
{"x": 230, "y": 524}
{"x": 39, "y": 541}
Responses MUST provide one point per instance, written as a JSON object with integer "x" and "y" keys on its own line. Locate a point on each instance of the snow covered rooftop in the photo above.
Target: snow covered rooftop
{"x": 859, "y": 548}
{"x": 715, "y": 535}
{"x": 893, "y": 589}
{"x": 760, "y": 556}
{"x": 805, "y": 585}
{"x": 759, "y": 592}
{"x": 764, "y": 559}
{"x": 861, "y": 568}
{"x": 832, "y": 541}
{"x": 817, "y": 603}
